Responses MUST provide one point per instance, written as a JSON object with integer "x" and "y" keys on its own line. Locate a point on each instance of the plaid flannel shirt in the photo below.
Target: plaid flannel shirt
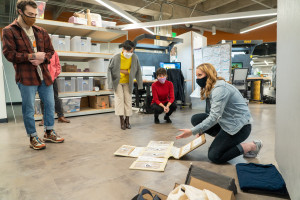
{"x": 16, "y": 47}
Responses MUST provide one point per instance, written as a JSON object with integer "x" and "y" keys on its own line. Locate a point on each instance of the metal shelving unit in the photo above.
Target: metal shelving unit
{"x": 84, "y": 74}
{"x": 81, "y": 56}
{"x": 83, "y": 111}
{"x": 65, "y": 28}
{"x": 84, "y": 94}
{"x": 97, "y": 34}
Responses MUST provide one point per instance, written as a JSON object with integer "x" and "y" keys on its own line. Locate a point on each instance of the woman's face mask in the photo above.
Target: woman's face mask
{"x": 127, "y": 54}
{"x": 201, "y": 81}
{"x": 162, "y": 80}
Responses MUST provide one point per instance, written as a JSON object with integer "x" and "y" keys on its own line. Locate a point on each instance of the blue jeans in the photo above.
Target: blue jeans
{"x": 28, "y": 96}
{"x": 225, "y": 146}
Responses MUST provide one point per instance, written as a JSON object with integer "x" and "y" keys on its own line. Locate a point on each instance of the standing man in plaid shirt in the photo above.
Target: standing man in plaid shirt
{"x": 29, "y": 48}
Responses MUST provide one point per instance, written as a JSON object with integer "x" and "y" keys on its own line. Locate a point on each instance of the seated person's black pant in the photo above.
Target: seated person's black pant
{"x": 225, "y": 146}
{"x": 158, "y": 109}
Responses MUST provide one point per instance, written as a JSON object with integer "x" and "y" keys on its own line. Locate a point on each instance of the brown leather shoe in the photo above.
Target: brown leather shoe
{"x": 127, "y": 124}
{"x": 123, "y": 126}
{"x": 63, "y": 120}
{"x": 41, "y": 123}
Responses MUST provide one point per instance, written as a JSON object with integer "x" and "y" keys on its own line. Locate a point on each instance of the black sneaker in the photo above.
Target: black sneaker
{"x": 167, "y": 118}
{"x": 156, "y": 120}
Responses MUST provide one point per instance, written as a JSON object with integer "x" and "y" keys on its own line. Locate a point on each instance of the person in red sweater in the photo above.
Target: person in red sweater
{"x": 163, "y": 96}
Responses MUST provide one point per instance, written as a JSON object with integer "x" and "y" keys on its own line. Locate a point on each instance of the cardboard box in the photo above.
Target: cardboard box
{"x": 221, "y": 192}
{"x": 148, "y": 197}
{"x": 84, "y": 103}
{"x": 99, "y": 102}
{"x": 69, "y": 68}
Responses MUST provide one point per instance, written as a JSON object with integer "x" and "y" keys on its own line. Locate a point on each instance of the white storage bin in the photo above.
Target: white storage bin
{"x": 61, "y": 42}
{"x": 70, "y": 84}
{"x": 37, "y": 107}
{"x": 79, "y": 84}
{"x": 108, "y": 24}
{"x": 61, "y": 84}
{"x": 95, "y": 47}
{"x": 81, "y": 44}
{"x": 66, "y": 84}
{"x": 84, "y": 84}
{"x": 71, "y": 104}
{"x": 111, "y": 101}
{"x": 97, "y": 65}
{"x": 96, "y": 20}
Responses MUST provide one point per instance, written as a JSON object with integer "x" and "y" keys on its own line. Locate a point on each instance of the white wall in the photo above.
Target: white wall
{"x": 3, "y": 113}
{"x": 185, "y": 55}
{"x": 13, "y": 88}
{"x": 287, "y": 149}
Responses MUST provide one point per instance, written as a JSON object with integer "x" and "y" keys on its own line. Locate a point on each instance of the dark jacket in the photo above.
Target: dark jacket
{"x": 176, "y": 77}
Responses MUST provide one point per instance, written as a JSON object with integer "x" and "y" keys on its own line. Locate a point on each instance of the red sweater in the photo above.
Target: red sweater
{"x": 162, "y": 93}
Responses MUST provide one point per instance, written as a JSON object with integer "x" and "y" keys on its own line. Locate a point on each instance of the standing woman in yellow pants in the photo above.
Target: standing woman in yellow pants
{"x": 122, "y": 70}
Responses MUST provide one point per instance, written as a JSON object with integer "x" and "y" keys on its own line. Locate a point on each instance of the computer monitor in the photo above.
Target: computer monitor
{"x": 148, "y": 70}
{"x": 170, "y": 65}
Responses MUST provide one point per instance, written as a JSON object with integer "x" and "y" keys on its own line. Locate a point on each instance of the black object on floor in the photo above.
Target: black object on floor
{"x": 264, "y": 179}
{"x": 211, "y": 177}
{"x": 145, "y": 191}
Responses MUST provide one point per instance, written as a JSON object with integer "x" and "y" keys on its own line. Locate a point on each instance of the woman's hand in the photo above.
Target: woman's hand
{"x": 124, "y": 71}
{"x": 166, "y": 109}
{"x": 186, "y": 133}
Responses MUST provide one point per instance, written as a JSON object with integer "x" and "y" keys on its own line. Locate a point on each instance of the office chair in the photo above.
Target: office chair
{"x": 239, "y": 80}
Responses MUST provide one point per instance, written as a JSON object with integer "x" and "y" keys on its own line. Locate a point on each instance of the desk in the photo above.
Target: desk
{"x": 262, "y": 81}
{"x": 147, "y": 85}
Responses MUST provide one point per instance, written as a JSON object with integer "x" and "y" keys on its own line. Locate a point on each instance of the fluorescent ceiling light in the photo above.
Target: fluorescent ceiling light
{"x": 266, "y": 62}
{"x": 259, "y": 25}
{"x": 121, "y": 12}
{"x": 200, "y": 19}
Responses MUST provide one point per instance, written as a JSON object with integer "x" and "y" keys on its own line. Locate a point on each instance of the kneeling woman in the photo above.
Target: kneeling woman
{"x": 163, "y": 96}
{"x": 229, "y": 119}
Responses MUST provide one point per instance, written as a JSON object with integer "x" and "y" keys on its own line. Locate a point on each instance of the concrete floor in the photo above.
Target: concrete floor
{"x": 84, "y": 167}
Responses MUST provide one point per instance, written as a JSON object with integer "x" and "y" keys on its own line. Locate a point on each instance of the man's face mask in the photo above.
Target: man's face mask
{"x": 27, "y": 19}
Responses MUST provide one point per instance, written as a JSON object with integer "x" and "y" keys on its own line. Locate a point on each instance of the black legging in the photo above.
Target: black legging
{"x": 225, "y": 146}
{"x": 158, "y": 109}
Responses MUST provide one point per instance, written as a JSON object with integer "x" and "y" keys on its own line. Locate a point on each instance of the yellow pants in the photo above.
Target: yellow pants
{"x": 123, "y": 100}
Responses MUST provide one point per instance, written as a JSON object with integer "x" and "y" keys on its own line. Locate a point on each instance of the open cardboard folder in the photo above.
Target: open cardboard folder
{"x": 155, "y": 156}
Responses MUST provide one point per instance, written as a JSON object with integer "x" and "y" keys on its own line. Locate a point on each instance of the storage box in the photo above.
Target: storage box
{"x": 96, "y": 20}
{"x": 95, "y": 48}
{"x": 41, "y": 5}
{"x": 81, "y": 44}
{"x": 66, "y": 84}
{"x": 97, "y": 65}
{"x": 99, "y": 102}
{"x": 148, "y": 197}
{"x": 71, "y": 104}
{"x": 69, "y": 68}
{"x": 37, "y": 107}
{"x": 112, "y": 101}
{"x": 78, "y": 20}
{"x": 108, "y": 24}
{"x": 84, "y": 102}
{"x": 61, "y": 42}
{"x": 84, "y": 84}
{"x": 221, "y": 192}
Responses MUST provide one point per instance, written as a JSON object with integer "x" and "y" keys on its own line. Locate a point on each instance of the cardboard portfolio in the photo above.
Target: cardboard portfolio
{"x": 155, "y": 156}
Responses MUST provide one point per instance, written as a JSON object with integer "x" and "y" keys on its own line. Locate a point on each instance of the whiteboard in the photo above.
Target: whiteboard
{"x": 218, "y": 55}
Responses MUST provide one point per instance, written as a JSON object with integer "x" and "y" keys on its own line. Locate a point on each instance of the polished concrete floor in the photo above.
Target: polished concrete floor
{"x": 84, "y": 167}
